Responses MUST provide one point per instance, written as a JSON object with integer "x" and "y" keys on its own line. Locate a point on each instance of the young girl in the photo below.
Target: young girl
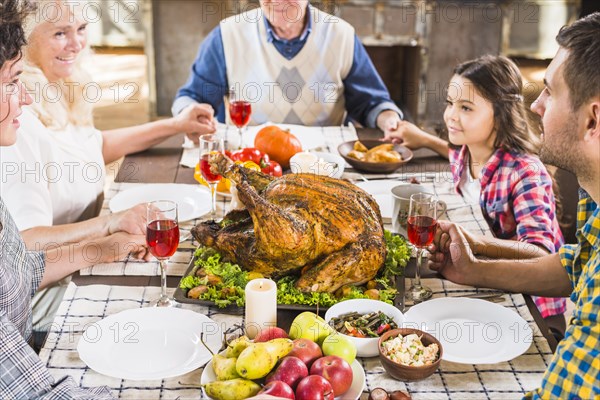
{"x": 494, "y": 163}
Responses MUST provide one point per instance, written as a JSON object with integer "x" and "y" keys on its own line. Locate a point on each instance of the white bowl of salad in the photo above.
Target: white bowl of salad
{"x": 364, "y": 321}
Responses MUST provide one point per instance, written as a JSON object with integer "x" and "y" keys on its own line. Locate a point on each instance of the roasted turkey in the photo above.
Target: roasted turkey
{"x": 328, "y": 231}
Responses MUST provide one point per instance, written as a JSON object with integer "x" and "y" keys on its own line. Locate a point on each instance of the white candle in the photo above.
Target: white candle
{"x": 261, "y": 306}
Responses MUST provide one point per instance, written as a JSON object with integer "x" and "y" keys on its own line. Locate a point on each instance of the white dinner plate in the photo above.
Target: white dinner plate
{"x": 381, "y": 190}
{"x": 149, "y": 343}
{"x": 192, "y": 201}
{"x": 310, "y": 137}
{"x": 472, "y": 331}
{"x": 354, "y": 393}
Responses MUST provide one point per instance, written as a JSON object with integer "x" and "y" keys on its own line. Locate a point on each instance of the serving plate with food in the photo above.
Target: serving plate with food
{"x": 211, "y": 281}
{"x": 375, "y": 155}
{"x": 321, "y": 238}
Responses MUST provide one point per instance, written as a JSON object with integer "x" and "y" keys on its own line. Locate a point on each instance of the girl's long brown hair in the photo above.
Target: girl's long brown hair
{"x": 498, "y": 80}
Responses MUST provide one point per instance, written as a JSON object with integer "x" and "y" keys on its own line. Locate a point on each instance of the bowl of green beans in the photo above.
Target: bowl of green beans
{"x": 364, "y": 321}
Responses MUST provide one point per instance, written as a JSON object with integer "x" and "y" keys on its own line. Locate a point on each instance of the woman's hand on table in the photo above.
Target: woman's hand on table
{"x": 451, "y": 253}
{"x": 196, "y": 120}
{"x": 131, "y": 221}
{"x": 120, "y": 245}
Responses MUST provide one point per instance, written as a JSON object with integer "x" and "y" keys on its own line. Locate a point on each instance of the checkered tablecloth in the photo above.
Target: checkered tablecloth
{"x": 83, "y": 305}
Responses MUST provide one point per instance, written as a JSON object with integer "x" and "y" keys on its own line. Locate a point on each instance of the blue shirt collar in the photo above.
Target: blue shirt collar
{"x": 271, "y": 35}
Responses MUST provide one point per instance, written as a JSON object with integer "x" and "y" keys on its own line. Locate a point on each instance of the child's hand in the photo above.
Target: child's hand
{"x": 409, "y": 135}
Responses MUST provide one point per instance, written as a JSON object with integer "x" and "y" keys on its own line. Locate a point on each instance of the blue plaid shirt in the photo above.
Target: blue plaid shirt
{"x": 22, "y": 373}
{"x": 574, "y": 371}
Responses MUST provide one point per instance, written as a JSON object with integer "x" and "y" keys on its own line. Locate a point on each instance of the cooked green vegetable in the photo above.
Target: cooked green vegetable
{"x": 233, "y": 280}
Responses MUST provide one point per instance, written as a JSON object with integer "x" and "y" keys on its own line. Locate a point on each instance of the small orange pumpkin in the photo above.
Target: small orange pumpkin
{"x": 279, "y": 144}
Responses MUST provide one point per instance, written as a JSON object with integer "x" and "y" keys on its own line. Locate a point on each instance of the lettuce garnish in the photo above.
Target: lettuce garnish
{"x": 229, "y": 290}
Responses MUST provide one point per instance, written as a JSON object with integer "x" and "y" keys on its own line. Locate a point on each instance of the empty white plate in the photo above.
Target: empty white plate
{"x": 381, "y": 190}
{"x": 149, "y": 343}
{"x": 192, "y": 201}
{"x": 472, "y": 331}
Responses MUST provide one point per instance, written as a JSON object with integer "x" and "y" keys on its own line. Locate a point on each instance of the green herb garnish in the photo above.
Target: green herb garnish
{"x": 232, "y": 279}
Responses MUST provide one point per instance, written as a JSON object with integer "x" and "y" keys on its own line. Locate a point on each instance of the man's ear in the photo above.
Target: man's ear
{"x": 592, "y": 120}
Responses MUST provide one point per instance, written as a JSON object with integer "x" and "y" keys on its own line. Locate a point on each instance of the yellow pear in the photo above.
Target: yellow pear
{"x": 233, "y": 389}
{"x": 258, "y": 359}
{"x": 224, "y": 367}
{"x": 236, "y": 346}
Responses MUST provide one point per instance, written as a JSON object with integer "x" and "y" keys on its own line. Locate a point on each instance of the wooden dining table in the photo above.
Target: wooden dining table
{"x": 161, "y": 164}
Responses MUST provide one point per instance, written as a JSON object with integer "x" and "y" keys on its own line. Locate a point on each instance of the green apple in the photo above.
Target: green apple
{"x": 339, "y": 345}
{"x": 310, "y": 326}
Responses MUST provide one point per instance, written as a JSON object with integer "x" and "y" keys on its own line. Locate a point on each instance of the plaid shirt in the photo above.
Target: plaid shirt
{"x": 518, "y": 203}
{"x": 574, "y": 371}
{"x": 22, "y": 373}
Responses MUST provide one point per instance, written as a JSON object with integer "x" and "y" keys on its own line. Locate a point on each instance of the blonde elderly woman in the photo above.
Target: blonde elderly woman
{"x": 56, "y": 175}
{"x": 22, "y": 374}
{"x": 53, "y": 177}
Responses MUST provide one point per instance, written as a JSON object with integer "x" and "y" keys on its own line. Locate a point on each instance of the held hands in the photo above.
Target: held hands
{"x": 409, "y": 135}
{"x": 196, "y": 120}
{"x": 131, "y": 221}
{"x": 388, "y": 121}
{"x": 126, "y": 235}
{"x": 451, "y": 253}
{"x": 119, "y": 245}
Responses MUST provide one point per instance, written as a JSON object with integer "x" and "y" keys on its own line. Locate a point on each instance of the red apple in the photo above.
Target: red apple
{"x": 290, "y": 370}
{"x": 270, "y": 333}
{"x": 314, "y": 387}
{"x": 306, "y": 350}
{"x": 278, "y": 389}
{"x": 336, "y": 370}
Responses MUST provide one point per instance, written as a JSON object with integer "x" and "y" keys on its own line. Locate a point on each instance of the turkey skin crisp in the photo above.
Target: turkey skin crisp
{"x": 327, "y": 231}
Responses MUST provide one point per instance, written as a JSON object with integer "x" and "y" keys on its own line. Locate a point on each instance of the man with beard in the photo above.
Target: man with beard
{"x": 569, "y": 107}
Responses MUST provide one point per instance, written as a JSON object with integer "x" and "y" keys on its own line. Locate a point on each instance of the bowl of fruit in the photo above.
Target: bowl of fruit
{"x": 306, "y": 363}
{"x": 363, "y": 321}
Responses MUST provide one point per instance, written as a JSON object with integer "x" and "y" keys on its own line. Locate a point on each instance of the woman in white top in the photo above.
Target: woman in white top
{"x": 52, "y": 179}
{"x": 56, "y": 176}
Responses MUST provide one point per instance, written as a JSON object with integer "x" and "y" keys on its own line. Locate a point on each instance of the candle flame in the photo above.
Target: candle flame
{"x": 260, "y": 287}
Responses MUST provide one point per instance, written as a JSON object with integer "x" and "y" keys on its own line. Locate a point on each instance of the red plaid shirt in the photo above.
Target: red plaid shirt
{"x": 518, "y": 204}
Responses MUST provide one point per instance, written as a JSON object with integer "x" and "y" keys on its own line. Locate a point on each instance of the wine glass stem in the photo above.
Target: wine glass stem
{"x": 241, "y": 138}
{"x": 213, "y": 200}
{"x": 417, "y": 281}
{"x": 163, "y": 281}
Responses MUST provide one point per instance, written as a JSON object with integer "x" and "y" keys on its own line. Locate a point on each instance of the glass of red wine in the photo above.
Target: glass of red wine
{"x": 162, "y": 237}
{"x": 239, "y": 112}
{"x": 421, "y": 226}
{"x": 210, "y": 144}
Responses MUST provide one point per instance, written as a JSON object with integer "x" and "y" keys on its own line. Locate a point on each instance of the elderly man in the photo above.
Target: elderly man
{"x": 570, "y": 111}
{"x": 295, "y": 64}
